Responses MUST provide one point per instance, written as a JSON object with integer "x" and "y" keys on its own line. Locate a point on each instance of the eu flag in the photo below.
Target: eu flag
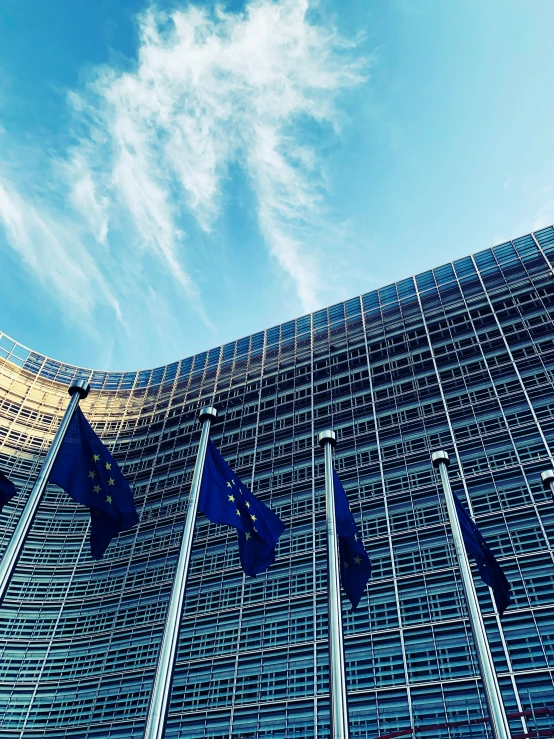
{"x": 489, "y": 569}
{"x": 7, "y": 490}
{"x": 224, "y": 499}
{"x": 355, "y": 567}
{"x": 86, "y": 470}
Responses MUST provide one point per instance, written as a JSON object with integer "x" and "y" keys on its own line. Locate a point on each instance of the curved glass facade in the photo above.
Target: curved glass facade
{"x": 459, "y": 358}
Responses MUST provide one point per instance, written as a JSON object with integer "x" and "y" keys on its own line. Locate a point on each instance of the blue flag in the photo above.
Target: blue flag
{"x": 86, "y": 470}
{"x": 355, "y": 567}
{"x": 224, "y": 499}
{"x": 7, "y": 490}
{"x": 489, "y": 569}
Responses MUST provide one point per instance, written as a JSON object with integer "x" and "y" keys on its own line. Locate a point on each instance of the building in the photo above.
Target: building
{"x": 460, "y": 358}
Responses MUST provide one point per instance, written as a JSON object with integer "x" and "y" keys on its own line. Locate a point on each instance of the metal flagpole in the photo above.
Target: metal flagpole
{"x": 78, "y": 390}
{"x": 337, "y": 669}
{"x": 159, "y": 701}
{"x": 499, "y": 720}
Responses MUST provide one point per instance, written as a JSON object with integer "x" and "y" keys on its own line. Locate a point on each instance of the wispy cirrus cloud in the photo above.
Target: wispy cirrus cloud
{"x": 54, "y": 251}
{"x": 152, "y": 147}
{"x": 211, "y": 89}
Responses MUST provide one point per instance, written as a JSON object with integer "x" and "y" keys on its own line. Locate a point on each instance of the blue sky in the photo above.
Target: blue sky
{"x": 177, "y": 175}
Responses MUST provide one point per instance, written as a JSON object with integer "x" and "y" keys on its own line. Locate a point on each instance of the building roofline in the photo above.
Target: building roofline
{"x": 523, "y": 248}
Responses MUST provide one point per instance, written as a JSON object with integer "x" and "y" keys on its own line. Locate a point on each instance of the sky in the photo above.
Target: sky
{"x": 177, "y": 175}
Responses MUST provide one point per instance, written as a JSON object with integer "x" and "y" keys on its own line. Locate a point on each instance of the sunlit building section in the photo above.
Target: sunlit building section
{"x": 459, "y": 358}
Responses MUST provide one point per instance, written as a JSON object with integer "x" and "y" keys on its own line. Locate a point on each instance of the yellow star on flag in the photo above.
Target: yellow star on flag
{"x": 108, "y": 466}
{"x": 97, "y": 488}
{"x": 92, "y": 474}
{"x": 95, "y": 457}
{"x": 232, "y": 498}
{"x": 238, "y": 512}
{"x": 252, "y": 517}
{"x": 109, "y": 499}
{"x": 247, "y": 504}
{"x": 229, "y": 485}
{"x": 357, "y": 560}
{"x": 248, "y": 535}
{"x": 346, "y": 565}
{"x": 111, "y": 481}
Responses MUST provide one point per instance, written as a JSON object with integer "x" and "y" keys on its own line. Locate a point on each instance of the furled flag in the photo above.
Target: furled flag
{"x": 224, "y": 499}
{"x": 488, "y": 567}
{"x": 355, "y": 567}
{"x": 7, "y": 490}
{"x": 86, "y": 470}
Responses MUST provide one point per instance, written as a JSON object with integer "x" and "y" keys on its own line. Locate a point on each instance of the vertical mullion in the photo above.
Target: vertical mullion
{"x": 387, "y": 519}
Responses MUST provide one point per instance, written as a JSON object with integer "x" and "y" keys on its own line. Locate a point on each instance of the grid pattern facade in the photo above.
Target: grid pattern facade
{"x": 460, "y": 358}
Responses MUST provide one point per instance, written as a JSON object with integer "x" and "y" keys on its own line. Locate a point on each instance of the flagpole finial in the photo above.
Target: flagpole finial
{"x": 207, "y": 412}
{"x": 79, "y": 386}
{"x": 438, "y": 457}
{"x": 547, "y": 477}
{"x": 327, "y": 437}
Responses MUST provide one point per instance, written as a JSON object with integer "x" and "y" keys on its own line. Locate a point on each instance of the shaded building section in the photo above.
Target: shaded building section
{"x": 459, "y": 358}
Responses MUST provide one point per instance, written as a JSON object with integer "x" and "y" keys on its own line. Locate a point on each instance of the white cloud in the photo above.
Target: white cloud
{"x": 53, "y": 249}
{"x": 150, "y": 152}
{"x": 211, "y": 89}
{"x": 85, "y": 199}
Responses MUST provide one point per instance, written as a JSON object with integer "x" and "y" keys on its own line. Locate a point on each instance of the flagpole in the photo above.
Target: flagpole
{"x": 159, "y": 700}
{"x": 77, "y": 390}
{"x": 499, "y": 720}
{"x": 337, "y": 668}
